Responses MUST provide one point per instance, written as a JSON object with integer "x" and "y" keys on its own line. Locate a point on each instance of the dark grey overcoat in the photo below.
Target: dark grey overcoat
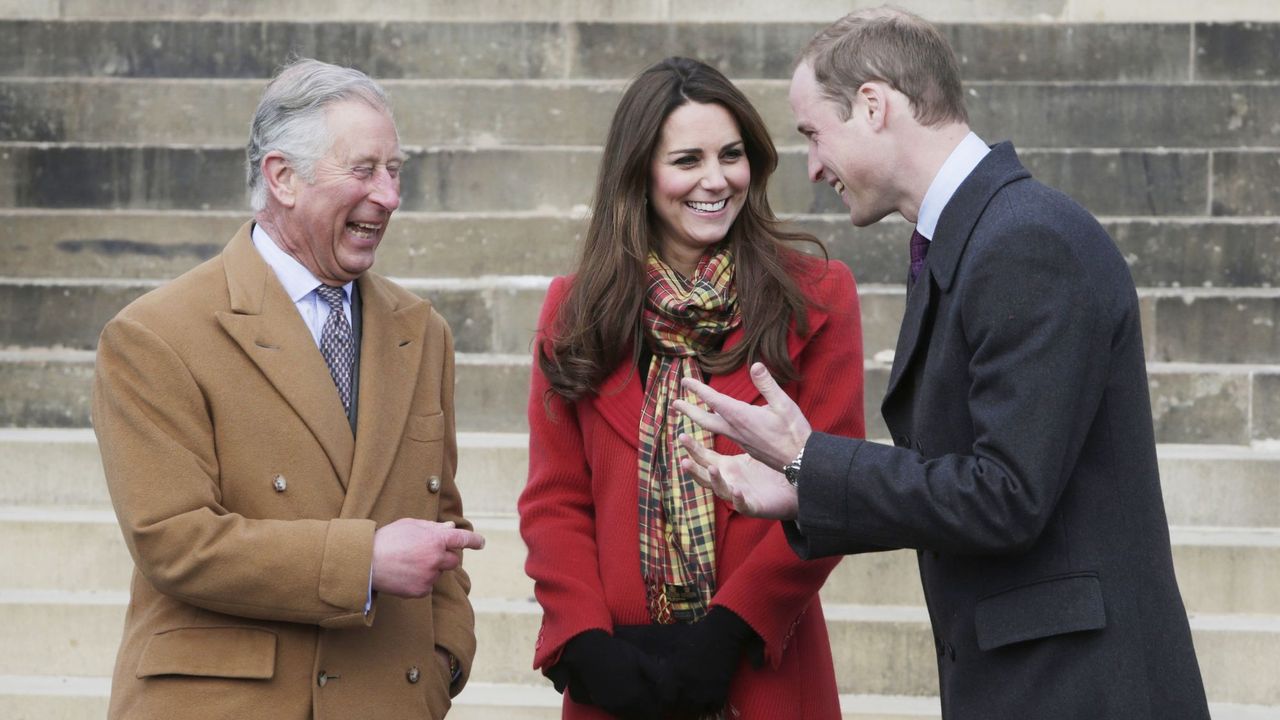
{"x": 1024, "y": 468}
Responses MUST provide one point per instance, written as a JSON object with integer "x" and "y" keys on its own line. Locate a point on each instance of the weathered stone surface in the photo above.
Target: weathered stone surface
{"x": 159, "y": 48}
{"x": 1127, "y": 115}
{"x": 47, "y": 393}
{"x": 434, "y": 10}
{"x": 1218, "y": 329}
{"x": 1126, "y": 182}
{"x": 542, "y": 112}
{"x": 122, "y": 177}
{"x": 156, "y": 49}
{"x": 1266, "y": 407}
{"x": 1237, "y": 51}
{"x": 1244, "y": 183}
{"x": 161, "y": 245}
{"x": 1222, "y": 487}
{"x": 1200, "y": 407}
{"x": 1195, "y": 253}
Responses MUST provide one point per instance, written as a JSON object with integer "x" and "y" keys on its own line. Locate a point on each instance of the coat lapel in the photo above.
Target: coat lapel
{"x": 267, "y": 326}
{"x": 999, "y": 168}
{"x": 390, "y": 358}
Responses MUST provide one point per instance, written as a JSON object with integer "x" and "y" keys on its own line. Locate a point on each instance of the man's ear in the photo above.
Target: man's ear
{"x": 281, "y": 178}
{"x": 871, "y": 104}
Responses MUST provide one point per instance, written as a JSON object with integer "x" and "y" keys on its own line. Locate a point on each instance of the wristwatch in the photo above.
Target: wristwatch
{"x": 791, "y": 471}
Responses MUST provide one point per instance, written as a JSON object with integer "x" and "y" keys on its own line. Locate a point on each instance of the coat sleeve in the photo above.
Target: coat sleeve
{"x": 557, "y": 513}
{"x": 157, "y": 444}
{"x": 1040, "y": 339}
{"x": 454, "y": 618}
{"x": 774, "y": 587}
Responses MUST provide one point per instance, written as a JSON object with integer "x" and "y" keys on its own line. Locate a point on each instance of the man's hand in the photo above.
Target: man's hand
{"x": 410, "y": 554}
{"x": 754, "y": 488}
{"x": 774, "y": 434}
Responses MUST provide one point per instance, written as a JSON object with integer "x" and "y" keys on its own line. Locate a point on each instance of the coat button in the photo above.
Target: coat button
{"x": 279, "y": 484}
{"x": 413, "y": 675}
{"x": 321, "y": 678}
{"x": 433, "y": 484}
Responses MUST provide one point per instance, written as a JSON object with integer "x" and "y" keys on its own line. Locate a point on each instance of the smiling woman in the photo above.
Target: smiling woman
{"x": 658, "y": 600}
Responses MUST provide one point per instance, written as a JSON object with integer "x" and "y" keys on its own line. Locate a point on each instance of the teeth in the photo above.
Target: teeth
{"x": 839, "y": 186}
{"x": 363, "y": 229}
{"x": 708, "y": 207}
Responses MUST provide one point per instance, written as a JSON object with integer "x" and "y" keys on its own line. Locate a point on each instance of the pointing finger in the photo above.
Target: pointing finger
{"x": 463, "y": 539}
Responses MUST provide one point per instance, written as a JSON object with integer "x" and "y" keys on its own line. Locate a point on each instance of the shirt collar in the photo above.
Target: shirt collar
{"x": 959, "y": 164}
{"x": 294, "y": 276}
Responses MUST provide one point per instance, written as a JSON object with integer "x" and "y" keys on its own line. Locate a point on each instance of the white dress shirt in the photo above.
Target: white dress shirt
{"x": 299, "y": 284}
{"x": 959, "y": 164}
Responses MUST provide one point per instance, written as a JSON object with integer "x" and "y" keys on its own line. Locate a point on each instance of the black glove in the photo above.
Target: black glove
{"x": 706, "y": 657}
{"x": 611, "y": 674}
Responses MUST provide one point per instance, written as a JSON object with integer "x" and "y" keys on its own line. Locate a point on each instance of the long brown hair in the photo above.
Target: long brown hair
{"x": 599, "y": 320}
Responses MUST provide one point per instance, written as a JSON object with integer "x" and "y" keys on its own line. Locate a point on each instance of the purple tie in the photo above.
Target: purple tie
{"x": 919, "y": 248}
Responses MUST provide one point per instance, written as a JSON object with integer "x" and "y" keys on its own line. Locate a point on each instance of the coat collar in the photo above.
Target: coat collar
{"x": 999, "y": 168}
{"x": 621, "y": 396}
{"x": 267, "y": 326}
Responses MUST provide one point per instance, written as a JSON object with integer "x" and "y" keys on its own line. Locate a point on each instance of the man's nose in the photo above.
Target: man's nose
{"x": 386, "y": 190}
{"x": 814, "y": 166}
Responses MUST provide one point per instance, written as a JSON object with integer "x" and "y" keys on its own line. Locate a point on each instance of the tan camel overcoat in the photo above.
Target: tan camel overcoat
{"x": 249, "y": 507}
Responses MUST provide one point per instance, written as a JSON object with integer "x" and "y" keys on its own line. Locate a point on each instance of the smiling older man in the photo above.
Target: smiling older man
{"x": 277, "y": 431}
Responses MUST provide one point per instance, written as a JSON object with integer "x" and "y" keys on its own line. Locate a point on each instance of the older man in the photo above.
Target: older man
{"x": 1023, "y": 467}
{"x": 277, "y": 431}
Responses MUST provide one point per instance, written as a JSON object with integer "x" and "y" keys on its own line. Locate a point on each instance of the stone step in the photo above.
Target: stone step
{"x": 1220, "y": 570}
{"x": 148, "y": 244}
{"x": 762, "y": 47}
{"x": 498, "y": 314}
{"x": 879, "y": 650}
{"x": 1204, "y": 485}
{"x": 558, "y": 112}
{"x": 35, "y": 697}
{"x": 1191, "y": 403}
{"x": 1109, "y": 182}
{"x": 1039, "y": 11}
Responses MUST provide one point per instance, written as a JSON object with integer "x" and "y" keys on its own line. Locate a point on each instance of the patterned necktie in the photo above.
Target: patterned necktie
{"x": 919, "y": 248}
{"x": 335, "y": 343}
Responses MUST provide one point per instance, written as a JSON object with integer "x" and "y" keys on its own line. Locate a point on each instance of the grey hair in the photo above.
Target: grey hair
{"x": 291, "y": 117}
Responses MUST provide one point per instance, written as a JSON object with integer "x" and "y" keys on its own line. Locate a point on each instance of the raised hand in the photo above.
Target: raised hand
{"x": 754, "y": 488}
{"x": 410, "y": 554}
{"x": 773, "y": 434}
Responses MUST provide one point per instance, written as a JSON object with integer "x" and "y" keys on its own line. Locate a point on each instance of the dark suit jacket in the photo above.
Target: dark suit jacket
{"x": 1024, "y": 469}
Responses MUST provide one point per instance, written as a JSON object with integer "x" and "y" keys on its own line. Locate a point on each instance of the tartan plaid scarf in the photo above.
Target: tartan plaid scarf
{"x": 682, "y": 318}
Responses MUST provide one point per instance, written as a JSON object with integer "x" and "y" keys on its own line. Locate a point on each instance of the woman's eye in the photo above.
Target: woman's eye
{"x": 687, "y": 161}
{"x": 733, "y": 154}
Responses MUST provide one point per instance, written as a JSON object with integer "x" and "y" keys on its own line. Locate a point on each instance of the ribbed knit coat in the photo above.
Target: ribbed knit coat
{"x": 579, "y": 518}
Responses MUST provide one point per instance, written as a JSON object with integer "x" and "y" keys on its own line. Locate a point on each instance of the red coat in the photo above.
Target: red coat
{"x": 582, "y": 466}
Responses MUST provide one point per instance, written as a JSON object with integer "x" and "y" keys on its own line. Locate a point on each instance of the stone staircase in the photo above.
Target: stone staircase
{"x": 121, "y": 151}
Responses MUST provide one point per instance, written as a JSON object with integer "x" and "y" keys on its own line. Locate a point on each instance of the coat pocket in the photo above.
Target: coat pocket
{"x": 230, "y": 652}
{"x": 1052, "y": 606}
{"x": 425, "y": 428}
